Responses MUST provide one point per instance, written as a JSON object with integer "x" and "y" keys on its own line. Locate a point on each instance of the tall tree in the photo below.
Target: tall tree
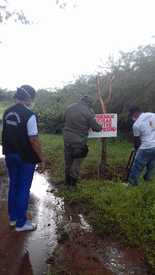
{"x": 6, "y": 13}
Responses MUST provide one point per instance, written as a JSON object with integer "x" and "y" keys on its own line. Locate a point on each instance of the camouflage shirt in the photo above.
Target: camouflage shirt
{"x": 79, "y": 118}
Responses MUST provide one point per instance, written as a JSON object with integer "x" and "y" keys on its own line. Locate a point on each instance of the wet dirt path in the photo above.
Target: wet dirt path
{"x": 29, "y": 249}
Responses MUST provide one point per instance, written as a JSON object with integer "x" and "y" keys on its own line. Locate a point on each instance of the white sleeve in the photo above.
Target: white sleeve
{"x": 136, "y": 131}
{"x": 32, "y": 128}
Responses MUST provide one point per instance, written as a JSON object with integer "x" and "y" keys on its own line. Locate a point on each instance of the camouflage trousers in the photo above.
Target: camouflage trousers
{"x": 72, "y": 165}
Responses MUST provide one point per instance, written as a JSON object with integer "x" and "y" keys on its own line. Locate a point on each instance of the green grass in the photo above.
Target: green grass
{"x": 118, "y": 154}
{"x": 3, "y": 107}
{"x": 127, "y": 214}
{"x": 53, "y": 148}
{"x": 112, "y": 209}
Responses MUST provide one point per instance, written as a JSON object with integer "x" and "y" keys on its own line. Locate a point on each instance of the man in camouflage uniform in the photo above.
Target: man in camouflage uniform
{"x": 79, "y": 118}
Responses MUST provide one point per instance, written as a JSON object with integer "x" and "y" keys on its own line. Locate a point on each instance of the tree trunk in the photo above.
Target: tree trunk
{"x": 103, "y": 161}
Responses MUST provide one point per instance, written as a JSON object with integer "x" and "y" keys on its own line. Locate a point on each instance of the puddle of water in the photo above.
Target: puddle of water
{"x": 84, "y": 225}
{"x": 38, "y": 245}
{"x": 42, "y": 242}
{"x": 115, "y": 259}
{"x": 1, "y": 155}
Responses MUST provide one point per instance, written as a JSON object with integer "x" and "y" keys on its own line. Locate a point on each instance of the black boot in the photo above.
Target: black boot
{"x": 73, "y": 181}
{"x": 72, "y": 187}
{"x": 67, "y": 179}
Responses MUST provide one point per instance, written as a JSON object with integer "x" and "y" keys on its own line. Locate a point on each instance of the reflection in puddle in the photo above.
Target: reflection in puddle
{"x": 115, "y": 259}
{"x": 38, "y": 244}
{"x": 39, "y": 186}
{"x": 1, "y": 155}
{"x": 84, "y": 225}
{"x": 43, "y": 208}
{"x": 121, "y": 261}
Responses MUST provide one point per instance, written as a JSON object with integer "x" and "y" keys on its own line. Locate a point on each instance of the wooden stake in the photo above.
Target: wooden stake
{"x": 103, "y": 161}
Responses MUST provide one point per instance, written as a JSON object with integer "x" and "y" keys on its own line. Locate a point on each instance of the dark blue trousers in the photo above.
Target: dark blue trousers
{"x": 20, "y": 180}
{"x": 145, "y": 158}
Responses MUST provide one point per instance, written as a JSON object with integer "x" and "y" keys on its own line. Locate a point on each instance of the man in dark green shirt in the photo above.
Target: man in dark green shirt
{"x": 79, "y": 118}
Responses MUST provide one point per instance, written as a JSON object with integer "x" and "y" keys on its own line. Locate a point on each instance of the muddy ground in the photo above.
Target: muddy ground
{"x": 63, "y": 244}
{"x": 80, "y": 251}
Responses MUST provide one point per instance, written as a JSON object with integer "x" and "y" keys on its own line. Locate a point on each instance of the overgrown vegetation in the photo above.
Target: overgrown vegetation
{"x": 126, "y": 213}
{"x": 134, "y": 84}
{"x": 118, "y": 153}
{"x": 3, "y": 107}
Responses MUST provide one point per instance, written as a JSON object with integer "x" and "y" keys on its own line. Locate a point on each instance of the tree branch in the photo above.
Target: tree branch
{"x": 99, "y": 95}
{"x": 107, "y": 100}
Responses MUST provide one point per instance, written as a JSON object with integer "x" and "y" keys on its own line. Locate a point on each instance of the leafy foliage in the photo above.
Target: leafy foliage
{"x": 134, "y": 84}
{"x": 6, "y": 13}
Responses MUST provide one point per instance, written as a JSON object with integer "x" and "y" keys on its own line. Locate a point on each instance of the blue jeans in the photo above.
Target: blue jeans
{"x": 145, "y": 158}
{"x": 20, "y": 179}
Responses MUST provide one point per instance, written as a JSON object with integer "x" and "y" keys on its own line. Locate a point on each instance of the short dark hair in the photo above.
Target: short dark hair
{"x": 134, "y": 109}
{"x": 25, "y": 92}
{"x": 88, "y": 100}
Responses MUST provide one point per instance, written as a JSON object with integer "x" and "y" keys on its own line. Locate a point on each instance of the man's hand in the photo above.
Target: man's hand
{"x": 36, "y": 146}
{"x": 41, "y": 167}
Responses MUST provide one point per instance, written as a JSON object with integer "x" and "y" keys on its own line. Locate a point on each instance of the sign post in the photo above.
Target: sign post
{"x": 103, "y": 104}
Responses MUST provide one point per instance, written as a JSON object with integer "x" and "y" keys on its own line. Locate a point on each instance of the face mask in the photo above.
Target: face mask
{"x": 133, "y": 119}
{"x": 32, "y": 105}
{"x": 29, "y": 105}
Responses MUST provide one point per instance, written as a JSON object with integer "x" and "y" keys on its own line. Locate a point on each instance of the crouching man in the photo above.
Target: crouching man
{"x": 79, "y": 118}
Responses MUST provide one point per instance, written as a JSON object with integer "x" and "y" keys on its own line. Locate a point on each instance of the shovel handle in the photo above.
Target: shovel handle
{"x": 130, "y": 162}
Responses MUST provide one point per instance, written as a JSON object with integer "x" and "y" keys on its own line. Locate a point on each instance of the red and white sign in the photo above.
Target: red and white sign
{"x": 109, "y": 126}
